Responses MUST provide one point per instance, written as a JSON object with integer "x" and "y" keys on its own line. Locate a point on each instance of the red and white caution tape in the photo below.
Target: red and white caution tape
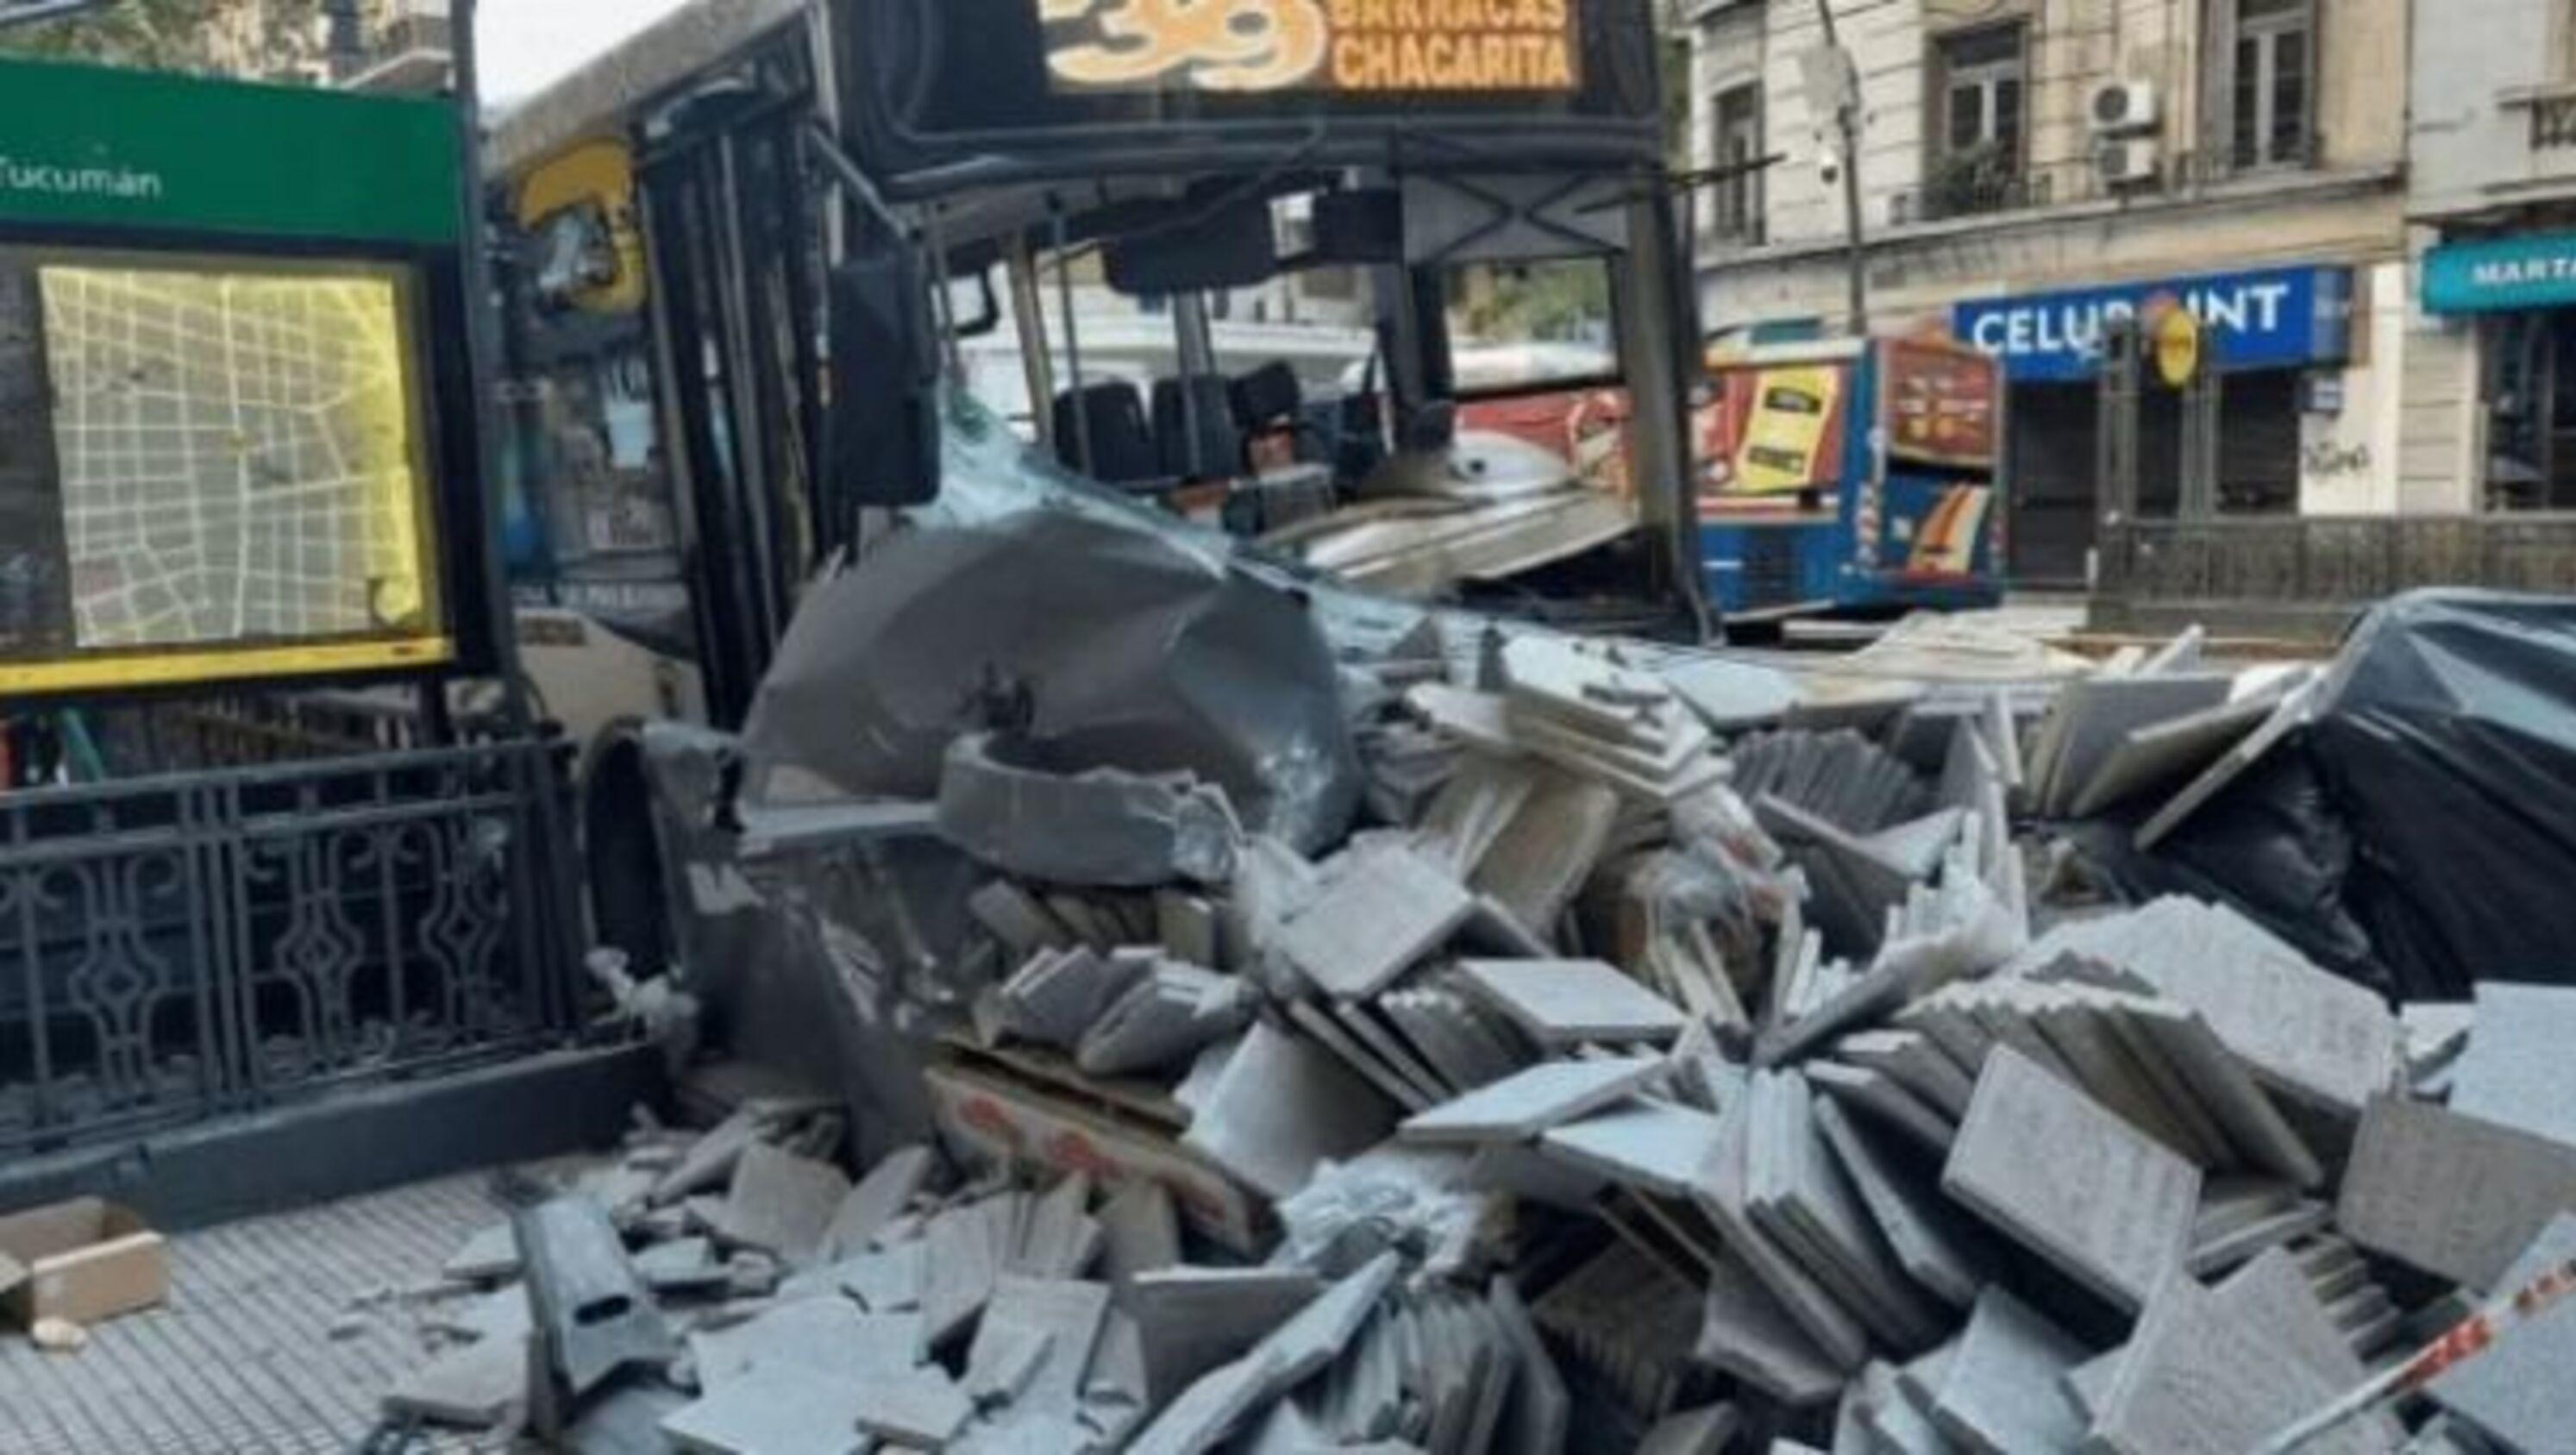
{"x": 2479, "y": 1333}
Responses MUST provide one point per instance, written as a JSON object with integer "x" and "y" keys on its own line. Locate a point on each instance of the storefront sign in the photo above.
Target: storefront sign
{"x": 2501, "y": 273}
{"x": 1361, "y": 46}
{"x": 2275, "y": 319}
{"x": 94, "y": 147}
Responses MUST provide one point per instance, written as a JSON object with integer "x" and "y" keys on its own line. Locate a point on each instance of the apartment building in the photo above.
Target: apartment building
{"x": 2491, "y": 397}
{"x": 2033, "y": 170}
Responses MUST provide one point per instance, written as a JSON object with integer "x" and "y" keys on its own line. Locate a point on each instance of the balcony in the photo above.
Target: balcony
{"x": 2553, "y": 121}
{"x": 1978, "y": 185}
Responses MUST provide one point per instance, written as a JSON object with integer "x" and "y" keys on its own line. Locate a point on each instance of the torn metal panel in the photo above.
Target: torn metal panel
{"x": 1015, "y": 806}
{"x": 1101, "y": 644}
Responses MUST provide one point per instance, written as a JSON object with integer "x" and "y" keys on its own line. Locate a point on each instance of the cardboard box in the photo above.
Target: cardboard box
{"x": 989, "y": 1117}
{"x": 84, "y": 1261}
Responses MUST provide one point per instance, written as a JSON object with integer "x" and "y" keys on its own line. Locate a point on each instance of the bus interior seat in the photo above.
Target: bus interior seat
{"x": 1122, "y": 444}
{"x": 1219, "y": 453}
{"x": 1266, "y": 397}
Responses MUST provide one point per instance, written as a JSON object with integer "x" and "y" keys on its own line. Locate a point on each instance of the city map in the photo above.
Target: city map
{"x": 234, "y": 454}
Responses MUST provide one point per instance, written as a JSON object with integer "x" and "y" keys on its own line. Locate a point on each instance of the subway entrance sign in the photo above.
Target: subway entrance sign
{"x": 2276, "y": 318}
{"x": 234, "y": 440}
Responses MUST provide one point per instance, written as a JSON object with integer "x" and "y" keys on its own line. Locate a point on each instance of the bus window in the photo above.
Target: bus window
{"x": 1528, "y": 328}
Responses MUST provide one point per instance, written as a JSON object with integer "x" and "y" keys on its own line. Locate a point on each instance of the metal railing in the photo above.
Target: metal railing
{"x": 1978, "y": 186}
{"x": 2312, "y": 573}
{"x": 2553, "y": 122}
{"x": 183, "y": 948}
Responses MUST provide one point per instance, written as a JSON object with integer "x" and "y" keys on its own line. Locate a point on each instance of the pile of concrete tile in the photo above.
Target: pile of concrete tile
{"x": 1620, "y": 1087}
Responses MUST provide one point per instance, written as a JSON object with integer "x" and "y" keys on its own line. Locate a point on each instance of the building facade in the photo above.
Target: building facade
{"x": 2034, "y": 172}
{"x": 2492, "y": 191}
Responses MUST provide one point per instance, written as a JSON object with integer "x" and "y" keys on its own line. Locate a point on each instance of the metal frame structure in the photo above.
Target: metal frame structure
{"x": 178, "y": 949}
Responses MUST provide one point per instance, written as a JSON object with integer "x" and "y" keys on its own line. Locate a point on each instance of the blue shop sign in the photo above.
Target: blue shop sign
{"x": 2279, "y": 318}
{"x": 2500, "y": 273}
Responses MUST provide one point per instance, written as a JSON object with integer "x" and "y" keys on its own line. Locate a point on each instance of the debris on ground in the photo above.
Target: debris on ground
{"x": 1662, "y": 1062}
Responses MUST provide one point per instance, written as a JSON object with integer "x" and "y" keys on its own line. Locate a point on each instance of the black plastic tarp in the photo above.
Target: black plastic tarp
{"x": 2446, "y": 740}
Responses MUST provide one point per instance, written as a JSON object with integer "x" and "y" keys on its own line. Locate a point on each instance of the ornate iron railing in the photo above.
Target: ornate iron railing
{"x": 178, "y": 949}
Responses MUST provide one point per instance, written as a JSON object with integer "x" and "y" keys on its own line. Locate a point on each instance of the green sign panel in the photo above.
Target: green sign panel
{"x": 90, "y": 146}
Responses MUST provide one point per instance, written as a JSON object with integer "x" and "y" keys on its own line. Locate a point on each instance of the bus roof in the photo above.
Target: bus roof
{"x": 649, "y": 67}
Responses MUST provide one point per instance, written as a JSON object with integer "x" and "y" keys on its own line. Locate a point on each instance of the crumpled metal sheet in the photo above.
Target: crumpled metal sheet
{"x": 1099, "y": 641}
{"x": 1012, "y": 806}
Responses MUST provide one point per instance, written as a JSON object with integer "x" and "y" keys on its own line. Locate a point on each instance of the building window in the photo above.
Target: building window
{"x": 2530, "y": 379}
{"x": 2275, "y": 82}
{"x": 1981, "y": 121}
{"x": 1737, "y": 192}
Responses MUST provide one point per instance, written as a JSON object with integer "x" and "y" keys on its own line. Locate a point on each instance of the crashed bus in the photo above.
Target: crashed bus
{"x": 1395, "y": 294}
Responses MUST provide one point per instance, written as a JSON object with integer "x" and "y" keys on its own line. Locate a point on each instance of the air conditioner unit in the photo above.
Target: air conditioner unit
{"x": 2136, "y": 161}
{"x": 2122, "y": 106}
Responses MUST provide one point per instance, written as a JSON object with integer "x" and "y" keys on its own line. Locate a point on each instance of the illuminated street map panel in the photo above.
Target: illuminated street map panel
{"x": 235, "y": 455}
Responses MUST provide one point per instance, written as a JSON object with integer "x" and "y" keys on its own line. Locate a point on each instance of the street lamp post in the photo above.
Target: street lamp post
{"x": 1847, "y": 124}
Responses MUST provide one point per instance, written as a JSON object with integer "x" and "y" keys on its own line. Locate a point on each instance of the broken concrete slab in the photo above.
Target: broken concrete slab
{"x": 1747, "y": 1333}
{"x": 922, "y": 1408}
{"x": 688, "y": 1265}
{"x": 2211, "y": 1375}
{"x": 1703, "y": 1431}
{"x": 1536, "y": 1411}
{"x": 1163, "y": 1017}
{"x": 2517, "y": 1070}
{"x": 2002, "y": 1391}
{"x": 2066, "y": 1177}
{"x": 1282, "y": 1106}
{"x": 1876, "y": 1095}
{"x": 2451, "y": 1194}
{"x": 1034, "y": 1344}
{"x": 1724, "y": 1196}
{"x": 781, "y": 1203}
{"x": 2517, "y": 1390}
{"x": 1373, "y": 1066}
{"x": 1191, "y": 1320}
{"x": 772, "y": 1411}
{"x": 824, "y": 1335}
{"x": 877, "y": 1200}
{"x": 963, "y": 1251}
{"x": 1798, "y": 1194}
{"x": 1895, "y": 1417}
{"x": 1018, "y": 919}
{"x": 2304, "y": 1032}
{"x": 1917, "y": 1063}
{"x": 1648, "y": 1144}
{"x": 2286, "y": 718}
{"x": 1141, "y": 1232}
{"x": 2093, "y": 717}
{"x": 1386, "y": 911}
{"x": 1551, "y": 844}
{"x": 1211, "y": 1407}
{"x": 1563, "y": 1004}
{"x": 889, "y": 1281}
{"x": 490, "y": 1255}
{"x": 478, "y": 1386}
{"x": 1939, "y": 1247}
{"x": 2209, "y": 1075}
{"x": 1519, "y": 1108}
{"x": 2161, "y": 756}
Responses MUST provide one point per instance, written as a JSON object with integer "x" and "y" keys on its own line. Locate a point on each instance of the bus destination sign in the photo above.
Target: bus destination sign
{"x": 1359, "y": 47}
